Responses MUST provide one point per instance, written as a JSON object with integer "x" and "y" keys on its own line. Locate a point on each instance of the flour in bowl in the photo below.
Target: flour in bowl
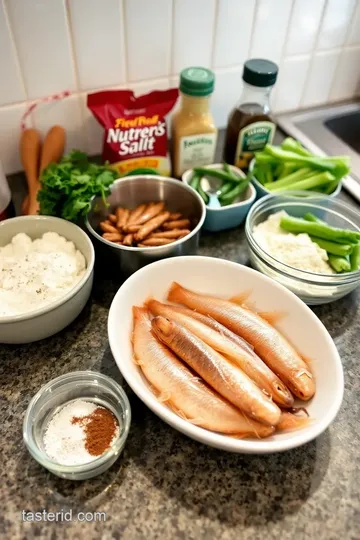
{"x": 296, "y": 250}
{"x": 34, "y": 273}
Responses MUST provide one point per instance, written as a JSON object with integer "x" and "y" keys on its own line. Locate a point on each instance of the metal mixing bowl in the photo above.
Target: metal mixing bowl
{"x": 131, "y": 191}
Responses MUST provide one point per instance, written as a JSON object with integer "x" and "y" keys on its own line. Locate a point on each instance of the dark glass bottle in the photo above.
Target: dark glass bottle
{"x": 250, "y": 127}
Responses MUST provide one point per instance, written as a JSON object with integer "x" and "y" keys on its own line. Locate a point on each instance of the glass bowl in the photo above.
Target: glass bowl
{"x": 312, "y": 288}
{"x": 87, "y": 385}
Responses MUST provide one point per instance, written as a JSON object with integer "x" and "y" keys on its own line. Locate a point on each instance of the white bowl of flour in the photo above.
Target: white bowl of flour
{"x": 46, "y": 274}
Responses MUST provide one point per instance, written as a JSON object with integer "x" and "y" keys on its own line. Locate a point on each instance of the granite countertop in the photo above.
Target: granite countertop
{"x": 165, "y": 485}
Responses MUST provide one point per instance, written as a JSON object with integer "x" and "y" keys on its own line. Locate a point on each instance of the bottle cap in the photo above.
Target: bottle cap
{"x": 260, "y": 72}
{"x": 197, "y": 81}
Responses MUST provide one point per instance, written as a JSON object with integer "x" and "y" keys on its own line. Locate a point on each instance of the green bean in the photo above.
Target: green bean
{"x": 195, "y": 181}
{"x": 320, "y": 230}
{"x": 355, "y": 258}
{"x": 226, "y": 167}
{"x": 222, "y": 175}
{"x": 333, "y": 247}
{"x": 229, "y": 197}
{"x": 225, "y": 188}
{"x": 230, "y": 172}
{"x": 339, "y": 264}
{"x": 203, "y": 195}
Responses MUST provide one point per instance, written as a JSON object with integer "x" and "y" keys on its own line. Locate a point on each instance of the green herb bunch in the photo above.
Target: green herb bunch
{"x": 67, "y": 187}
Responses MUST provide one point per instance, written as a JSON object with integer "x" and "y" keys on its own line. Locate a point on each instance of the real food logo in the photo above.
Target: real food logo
{"x": 137, "y": 134}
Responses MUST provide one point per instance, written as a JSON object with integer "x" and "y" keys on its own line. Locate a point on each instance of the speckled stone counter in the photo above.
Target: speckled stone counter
{"x": 166, "y": 486}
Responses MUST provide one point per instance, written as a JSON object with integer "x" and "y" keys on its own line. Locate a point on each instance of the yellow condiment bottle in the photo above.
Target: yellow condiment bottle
{"x": 194, "y": 133}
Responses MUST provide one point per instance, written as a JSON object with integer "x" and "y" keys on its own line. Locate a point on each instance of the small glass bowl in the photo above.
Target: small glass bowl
{"x": 86, "y": 385}
{"x": 312, "y": 288}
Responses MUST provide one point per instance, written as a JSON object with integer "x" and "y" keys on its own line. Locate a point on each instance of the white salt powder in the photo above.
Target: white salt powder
{"x": 64, "y": 441}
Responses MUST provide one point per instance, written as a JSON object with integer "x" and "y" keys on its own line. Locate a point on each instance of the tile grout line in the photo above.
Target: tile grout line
{"x": 172, "y": 42}
{"x": 313, "y": 54}
{"x": 80, "y": 104}
{"x": 16, "y": 56}
{"x": 214, "y": 33}
{"x": 252, "y": 33}
{"x": 71, "y": 42}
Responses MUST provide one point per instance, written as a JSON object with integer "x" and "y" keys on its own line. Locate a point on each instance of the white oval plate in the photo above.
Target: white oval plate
{"x": 222, "y": 278}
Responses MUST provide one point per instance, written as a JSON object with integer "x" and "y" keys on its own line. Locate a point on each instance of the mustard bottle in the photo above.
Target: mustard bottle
{"x": 194, "y": 133}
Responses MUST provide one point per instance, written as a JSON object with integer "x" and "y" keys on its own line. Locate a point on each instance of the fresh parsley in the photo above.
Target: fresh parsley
{"x": 67, "y": 187}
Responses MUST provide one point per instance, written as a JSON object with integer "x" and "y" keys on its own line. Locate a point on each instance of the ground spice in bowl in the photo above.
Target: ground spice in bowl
{"x": 100, "y": 427}
{"x": 80, "y": 432}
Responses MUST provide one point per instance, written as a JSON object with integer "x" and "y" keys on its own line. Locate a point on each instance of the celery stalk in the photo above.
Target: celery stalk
{"x": 308, "y": 183}
{"x": 300, "y": 174}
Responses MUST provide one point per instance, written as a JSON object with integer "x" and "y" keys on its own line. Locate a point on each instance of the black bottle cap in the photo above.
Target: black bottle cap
{"x": 260, "y": 72}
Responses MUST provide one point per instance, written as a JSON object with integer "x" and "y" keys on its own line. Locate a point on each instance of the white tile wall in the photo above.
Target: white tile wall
{"x": 234, "y": 25}
{"x": 338, "y": 14}
{"x": 320, "y": 77}
{"x": 47, "y": 46}
{"x": 271, "y": 23}
{"x": 291, "y": 83}
{"x": 99, "y": 55}
{"x": 42, "y": 39}
{"x": 347, "y": 75}
{"x": 11, "y": 87}
{"x": 148, "y": 27}
{"x": 304, "y": 26}
{"x": 193, "y": 33}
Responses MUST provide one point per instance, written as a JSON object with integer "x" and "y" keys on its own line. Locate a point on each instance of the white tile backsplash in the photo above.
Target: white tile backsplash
{"x": 304, "y": 26}
{"x": 354, "y": 34}
{"x": 47, "y": 46}
{"x": 67, "y": 113}
{"x": 270, "y": 29}
{"x": 11, "y": 87}
{"x": 42, "y": 39}
{"x": 148, "y": 28}
{"x": 234, "y": 24}
{"x": 227, "y": 92}
{"x": 291, "y": 83}
{"x": 338, "y": 15}
{"x": 347, "y": 75}
{"x": 320, "y": 77}
{"x": 193, "y": 33}
{"x": 100, "y": 56}
{"x": 10, "y": 119}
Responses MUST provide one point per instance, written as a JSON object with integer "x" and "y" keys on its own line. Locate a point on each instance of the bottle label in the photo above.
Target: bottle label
{"x": 251, "y": 139}
{"x": 196, "y": 151}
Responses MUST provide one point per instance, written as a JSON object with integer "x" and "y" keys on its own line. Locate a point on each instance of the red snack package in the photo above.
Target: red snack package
{"x": 135, "y": 128}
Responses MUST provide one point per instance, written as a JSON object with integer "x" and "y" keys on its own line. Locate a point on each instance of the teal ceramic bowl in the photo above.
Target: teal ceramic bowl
{"x": 262, "y": 192}
{"x": 227, "y": 217}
